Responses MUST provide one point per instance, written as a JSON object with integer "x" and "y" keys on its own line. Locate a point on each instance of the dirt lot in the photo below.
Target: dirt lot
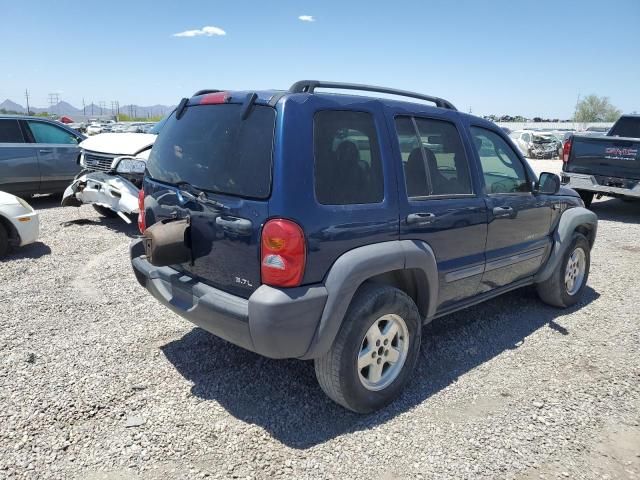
{"x": 97, "y": 381}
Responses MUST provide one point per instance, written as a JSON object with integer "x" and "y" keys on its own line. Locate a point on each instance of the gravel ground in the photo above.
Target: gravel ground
{"x": 97, "y": 381}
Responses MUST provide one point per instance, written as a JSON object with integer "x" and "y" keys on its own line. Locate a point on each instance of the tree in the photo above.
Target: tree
{"x": 596, "y": 109}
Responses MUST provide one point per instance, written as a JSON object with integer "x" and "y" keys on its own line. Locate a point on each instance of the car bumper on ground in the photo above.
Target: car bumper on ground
{"x": 275, "y": 323}
{"x": 110, "y": 191}
{"x": 589, "y": 183}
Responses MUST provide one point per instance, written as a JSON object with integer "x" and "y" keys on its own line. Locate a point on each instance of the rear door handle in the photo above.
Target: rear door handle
{"x": 420, "y": 217}
{"x": 502, "y": 212}
{"x": 45, "y": 150}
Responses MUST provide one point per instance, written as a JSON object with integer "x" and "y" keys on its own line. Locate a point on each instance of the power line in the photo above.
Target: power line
{"x": 54, "y": 100}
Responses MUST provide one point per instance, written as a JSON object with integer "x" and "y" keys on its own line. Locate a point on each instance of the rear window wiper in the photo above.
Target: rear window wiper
{"x": 199, "y": 193}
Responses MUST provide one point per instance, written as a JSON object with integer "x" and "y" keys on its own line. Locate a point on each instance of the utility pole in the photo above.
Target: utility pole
{"x": 26, "y": 95}
{"x": 102, "y": 105}
{"x": 84, "y": 108}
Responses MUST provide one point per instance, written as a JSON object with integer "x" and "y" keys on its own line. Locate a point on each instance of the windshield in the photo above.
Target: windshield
{"x": 626, "y": 127}
{"x": 213, "y": 149}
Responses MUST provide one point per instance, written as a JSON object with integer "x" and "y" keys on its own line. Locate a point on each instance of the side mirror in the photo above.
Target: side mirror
{"x": 548, "y": 183}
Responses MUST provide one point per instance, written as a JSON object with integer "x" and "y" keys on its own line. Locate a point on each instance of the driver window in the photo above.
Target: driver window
{"x": 502, "y": 169}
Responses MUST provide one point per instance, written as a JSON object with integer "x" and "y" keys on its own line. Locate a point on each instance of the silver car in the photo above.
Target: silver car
{"x": 37, "y": 155}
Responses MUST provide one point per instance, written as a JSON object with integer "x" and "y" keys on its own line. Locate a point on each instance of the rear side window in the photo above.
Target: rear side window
{"x": 348, "y": 168}
{"x": 47, "y": 133}
{"x": 626, "y": 127}
{"x": 213, "y": 148}
{"x": 10, "y": 132}
{"x": 433, "y": 158}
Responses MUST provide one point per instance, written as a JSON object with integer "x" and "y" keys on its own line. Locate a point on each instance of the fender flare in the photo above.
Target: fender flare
{"x": 355, "y": 267}
{"x": 569, "y": 221}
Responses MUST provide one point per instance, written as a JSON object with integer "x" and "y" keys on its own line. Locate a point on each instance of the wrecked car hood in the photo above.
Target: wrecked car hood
{"x": 119, "y": 143}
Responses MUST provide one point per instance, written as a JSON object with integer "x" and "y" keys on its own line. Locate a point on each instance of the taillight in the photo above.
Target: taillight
{"x": 566, "y": 150}
{"x": 142, "y": 224}
{"x": 283, "y": 253}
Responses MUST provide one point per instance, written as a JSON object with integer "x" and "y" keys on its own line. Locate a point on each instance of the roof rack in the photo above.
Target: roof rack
{"x": 308, "y": 86}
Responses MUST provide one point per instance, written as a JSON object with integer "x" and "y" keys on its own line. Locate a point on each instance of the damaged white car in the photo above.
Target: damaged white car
{"x": 113, "y": 166}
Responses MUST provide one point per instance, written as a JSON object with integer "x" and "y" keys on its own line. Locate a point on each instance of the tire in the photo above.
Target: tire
{"x": 587, "y": 197}
{"x": 373, "y": 307}
{"x": 555, "y": 291}
{"x": 104, "y": 211}
{"x": 4, "y": 241}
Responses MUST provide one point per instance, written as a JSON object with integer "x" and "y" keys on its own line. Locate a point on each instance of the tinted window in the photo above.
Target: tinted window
{"x": 626, "y": 127}
{"x": 348, "y": 169}
{"x": 10, "y": 132}
{"x": 433, "y": 158}
{"x": 47, "y": 133}
{"x": 212, "y": 148}
{"x": 502, "y": 169}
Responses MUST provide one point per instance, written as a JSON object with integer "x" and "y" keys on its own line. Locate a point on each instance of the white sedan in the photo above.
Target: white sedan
{"x": 19, "y": 223}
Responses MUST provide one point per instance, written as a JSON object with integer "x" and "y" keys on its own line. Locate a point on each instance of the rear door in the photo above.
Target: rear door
{"x": 213, "y": 165}
{"x": 19, "y": 170}
{"x": 439, "y": 203}
{"x": 519, "y": 221}
{"x": 58, "y": 153}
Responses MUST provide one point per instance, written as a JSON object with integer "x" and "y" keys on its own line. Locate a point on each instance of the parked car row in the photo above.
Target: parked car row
{"x": 95, "y": 127}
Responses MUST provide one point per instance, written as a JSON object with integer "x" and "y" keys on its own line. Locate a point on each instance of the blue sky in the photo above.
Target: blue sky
{"x": 516, "y": 57}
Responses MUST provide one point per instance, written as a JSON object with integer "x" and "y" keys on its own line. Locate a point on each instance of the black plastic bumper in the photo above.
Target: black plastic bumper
{"x": 276, "y": 323}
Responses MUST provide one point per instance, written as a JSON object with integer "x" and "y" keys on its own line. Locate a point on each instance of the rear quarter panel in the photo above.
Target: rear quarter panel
{"x": 330, "y": 230}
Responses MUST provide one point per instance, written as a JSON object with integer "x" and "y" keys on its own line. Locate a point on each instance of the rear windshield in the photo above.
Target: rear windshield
{"x": 626, "y": 127}
{"x": 213, "y": 149}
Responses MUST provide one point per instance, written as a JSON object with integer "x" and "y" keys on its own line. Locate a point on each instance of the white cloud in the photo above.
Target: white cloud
{"x": 307, "y": 18}
{"x": 207, "y": 31}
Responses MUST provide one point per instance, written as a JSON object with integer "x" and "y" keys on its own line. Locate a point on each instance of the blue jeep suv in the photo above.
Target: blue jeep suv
{"x": 324, "y": 226}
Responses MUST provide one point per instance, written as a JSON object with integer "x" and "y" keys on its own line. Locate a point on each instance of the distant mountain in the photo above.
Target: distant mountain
{"x": 65, "y": 108}
{"x": 61, "y": 108}
{"x": 12, "y": 106}
{"x": 138, "y": 111}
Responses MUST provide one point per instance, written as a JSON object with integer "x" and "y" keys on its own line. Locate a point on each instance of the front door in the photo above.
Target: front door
{"x": 58, "y": 153}
{"x": 19, "y": 170}
{"x": 519, "y": 221}
{"x": 439, "y": 204}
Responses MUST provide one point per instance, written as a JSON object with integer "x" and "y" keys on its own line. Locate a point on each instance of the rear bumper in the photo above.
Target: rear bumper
{"x": 111, "y": 191}
{"x": 276, "y": 323}
{"x": 579, "y": 181}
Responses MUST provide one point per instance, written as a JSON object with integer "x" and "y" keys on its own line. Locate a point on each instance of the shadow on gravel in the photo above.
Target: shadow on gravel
{"x": 615, "y": 210}
{"x": 44, "y": 202}
{"x": 33, "y": 250}
{"x": 283, "y": 397}
{"x": 115, "y": 224}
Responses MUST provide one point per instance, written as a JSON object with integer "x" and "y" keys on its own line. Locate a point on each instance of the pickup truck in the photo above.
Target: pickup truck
{"x": 311, "y": 225}
{"x": 604, "y": 166}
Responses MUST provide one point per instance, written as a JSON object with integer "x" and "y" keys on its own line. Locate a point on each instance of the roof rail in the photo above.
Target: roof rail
{"x": 308, "y": 86}
{"x": 205, "y": 91}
